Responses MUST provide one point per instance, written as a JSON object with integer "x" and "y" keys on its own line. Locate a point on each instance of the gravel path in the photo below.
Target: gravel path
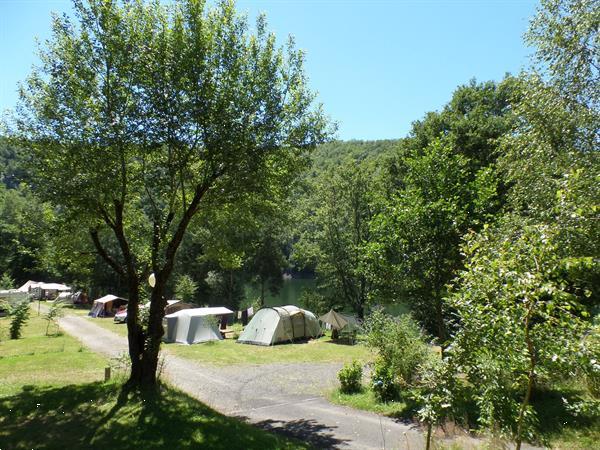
{"x": 285, "y": 397}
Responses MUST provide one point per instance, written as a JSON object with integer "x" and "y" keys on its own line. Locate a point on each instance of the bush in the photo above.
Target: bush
{"x": 401, "y": 346}
{"x": 350, "y": 377}
{"x": 384, "y": 383}
{"x": 19, "y": 316}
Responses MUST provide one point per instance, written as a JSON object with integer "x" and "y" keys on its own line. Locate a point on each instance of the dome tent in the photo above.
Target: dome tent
{"x": 273, "y": 325}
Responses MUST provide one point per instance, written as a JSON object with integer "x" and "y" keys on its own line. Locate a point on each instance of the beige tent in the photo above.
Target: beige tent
{"x": 339, "y": 321}
{"x": 271, "y": 326}
{"x": 106, "y": 306}
{"x": 175, "y": 305}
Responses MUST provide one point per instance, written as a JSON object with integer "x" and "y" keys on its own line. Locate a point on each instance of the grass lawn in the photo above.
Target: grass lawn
{"x": 228, "y": 352}
{"x": 51, "y": 398}
{"x": 38, "y": 359}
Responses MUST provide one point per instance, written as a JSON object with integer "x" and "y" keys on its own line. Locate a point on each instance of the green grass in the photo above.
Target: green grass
{"x": 228, "y": 352}
{"x": 367, "y": 401}
{"x": 100, "y": 415}
{"x": 38, "y": 359}
{"x": 558, "y": 428}
{"x": 51, "y": 398}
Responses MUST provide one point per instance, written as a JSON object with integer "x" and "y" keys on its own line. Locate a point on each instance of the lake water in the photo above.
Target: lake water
{"x": 290, "y": 292}
{"x": 292, "y": 289}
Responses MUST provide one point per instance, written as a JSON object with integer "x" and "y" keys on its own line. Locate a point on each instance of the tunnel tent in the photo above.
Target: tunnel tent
{"x": 195, "y": 325}
{"x": 106, "y": 306}
{"x": 274, "y": 325}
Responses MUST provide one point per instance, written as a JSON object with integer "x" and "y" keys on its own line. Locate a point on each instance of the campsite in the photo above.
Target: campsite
{"x": 244, "y": 224}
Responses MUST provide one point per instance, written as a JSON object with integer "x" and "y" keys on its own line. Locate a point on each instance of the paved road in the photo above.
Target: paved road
{"x": 284, "y": 398}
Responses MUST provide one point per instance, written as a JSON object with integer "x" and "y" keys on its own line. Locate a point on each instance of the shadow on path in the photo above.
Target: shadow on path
{"x": 307, "y": 430}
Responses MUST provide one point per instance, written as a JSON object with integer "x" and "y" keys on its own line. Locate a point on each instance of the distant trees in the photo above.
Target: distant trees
{"x": 335, "y": 231}
{"x": 140, "y": 114}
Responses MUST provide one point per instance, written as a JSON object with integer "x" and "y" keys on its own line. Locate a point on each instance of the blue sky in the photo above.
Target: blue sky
{"x": 377, "y": 65}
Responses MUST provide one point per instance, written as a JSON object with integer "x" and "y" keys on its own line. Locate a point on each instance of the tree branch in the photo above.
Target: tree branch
{"x": 104, "y": 254}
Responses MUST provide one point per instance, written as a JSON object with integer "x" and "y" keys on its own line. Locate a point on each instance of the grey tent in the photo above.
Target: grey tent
{"x": 191, "y": 326}
{"x": 273, "y": 325}
{"x": 106, "y": 306}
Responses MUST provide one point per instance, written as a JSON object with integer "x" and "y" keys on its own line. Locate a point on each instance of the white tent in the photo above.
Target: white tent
{"x": 191, "y": 326}
{"x": 270, "y": 326}
{"x": 106, "y": 306}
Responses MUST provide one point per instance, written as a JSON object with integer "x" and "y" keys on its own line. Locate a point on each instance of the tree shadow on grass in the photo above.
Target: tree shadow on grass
{"x": 306, "y": 430}
{"x": 556, "y": 419}
{"x": 103, "y": 416}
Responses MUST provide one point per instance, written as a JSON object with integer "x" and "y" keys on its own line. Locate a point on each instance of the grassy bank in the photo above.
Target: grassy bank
{"x": 558, "y": 428}
{"x": 51, "y": 398}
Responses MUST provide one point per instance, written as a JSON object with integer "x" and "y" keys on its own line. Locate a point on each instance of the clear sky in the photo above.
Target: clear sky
{"x": 377, "y": 65}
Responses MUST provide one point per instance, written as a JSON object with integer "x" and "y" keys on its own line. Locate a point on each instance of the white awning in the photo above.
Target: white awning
{"x": 195, "y": 312}
{"x": 108, "y": 298}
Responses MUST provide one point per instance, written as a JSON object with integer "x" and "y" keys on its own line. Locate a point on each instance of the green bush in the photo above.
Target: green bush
{"x": 350, "y": 377}
{"x": 19, "y": 316}
{"x": 401, "y": 346}
{"x": 384, "y": 382}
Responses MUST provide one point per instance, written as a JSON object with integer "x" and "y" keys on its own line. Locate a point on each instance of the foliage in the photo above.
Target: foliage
{"x": 441, "y": 184}
{"x": 350, "y": 377}
{"x": 185, "y": 288}
{"x": 334, "y": 230}
{"x": 7, "y": 282}
{"x": 401, "y": 348}
{"x": 54, "y": 313}
{"x": 138, "y": 155}
{"x": 19, "y": 315}
{"x": 518, "y": 298}
{"x": 315, "y": 302}
{"x": 385, "y": 382}
{"x": 565, "y": 36}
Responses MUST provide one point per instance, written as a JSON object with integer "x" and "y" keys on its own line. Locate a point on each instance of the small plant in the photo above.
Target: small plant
{"x": 350, "y": 377}
{"x": 384, "y": 382}
{"x": 19, "y": 316}
{"x": 51, "y": 317}
{"x": 185, "y": 288}
{"x": 6, "y": 281}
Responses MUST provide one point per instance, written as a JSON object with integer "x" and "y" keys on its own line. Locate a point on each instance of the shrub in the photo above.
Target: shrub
{"x": 19, "y": 316}
{"x": 54, "y": 313}
{"x": 401, "y": 346}
{"x": 384, "y": 383}
{"x": 350, "y": 377}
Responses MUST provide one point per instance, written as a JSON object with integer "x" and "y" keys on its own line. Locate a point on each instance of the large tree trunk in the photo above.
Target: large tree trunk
{"x": 150, "y": 356}
{"x": 135, "y": 332}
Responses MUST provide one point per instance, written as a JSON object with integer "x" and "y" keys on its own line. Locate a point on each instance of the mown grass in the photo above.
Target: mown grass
{"x": 229, "y": 352}
{"x": 48, "y": 402}
{"x": 37, "y": 359}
